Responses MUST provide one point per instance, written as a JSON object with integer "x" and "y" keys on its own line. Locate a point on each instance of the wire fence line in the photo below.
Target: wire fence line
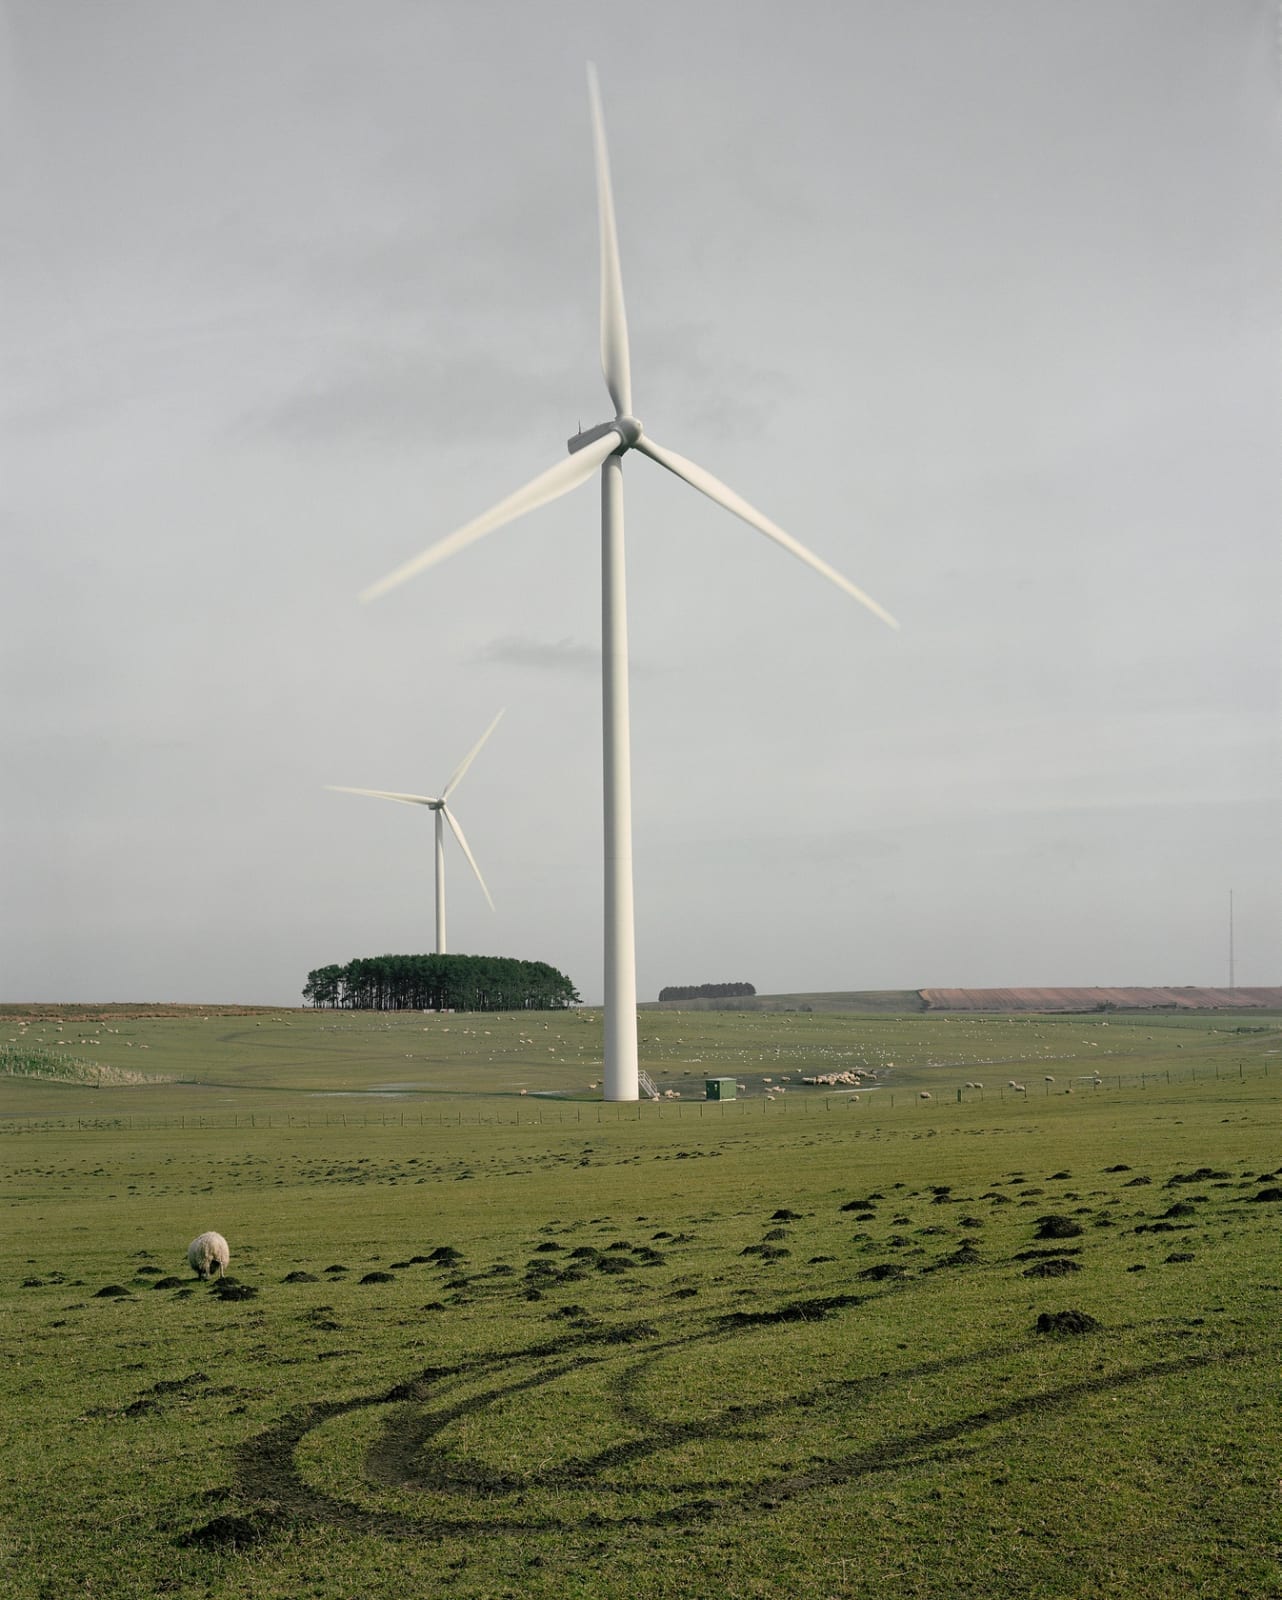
{"x": 592, "y": 1113}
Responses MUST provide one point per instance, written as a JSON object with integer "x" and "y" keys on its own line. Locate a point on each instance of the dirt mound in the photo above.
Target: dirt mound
{"x": 882, "y": 1271}
{"x": 1058, "y": 1324}
{"x": 1054, "y": 1227}
{"x": 231, "y": 1532}
{"x": 233, "y": 1289}
{"x": 1059, "y": 1267}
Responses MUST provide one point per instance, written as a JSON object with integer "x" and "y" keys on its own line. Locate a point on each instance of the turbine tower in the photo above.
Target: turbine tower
{"x": 604, "y": 446}
{"x": 443, "y": 815}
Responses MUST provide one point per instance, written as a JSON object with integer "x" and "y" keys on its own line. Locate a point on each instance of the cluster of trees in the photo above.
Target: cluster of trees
{"x": 705, "y": 991}
{"x": 440, "y": 983}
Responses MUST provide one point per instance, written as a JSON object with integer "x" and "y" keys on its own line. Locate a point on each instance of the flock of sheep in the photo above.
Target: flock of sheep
{"x": 208, "y": 1254}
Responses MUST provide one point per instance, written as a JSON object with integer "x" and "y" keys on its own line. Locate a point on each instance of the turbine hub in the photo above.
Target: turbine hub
{"x": 627, "y": 427}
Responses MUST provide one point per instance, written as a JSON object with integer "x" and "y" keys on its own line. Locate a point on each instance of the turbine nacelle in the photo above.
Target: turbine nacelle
{"x": 627, "y": 428}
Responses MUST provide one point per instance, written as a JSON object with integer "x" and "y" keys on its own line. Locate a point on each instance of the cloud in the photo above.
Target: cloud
{"x": 388, "y": 398}
{"x": 562, "y": 656}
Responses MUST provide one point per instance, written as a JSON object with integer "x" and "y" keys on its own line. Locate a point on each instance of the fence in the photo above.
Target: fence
{"x": 544, "y": 1114}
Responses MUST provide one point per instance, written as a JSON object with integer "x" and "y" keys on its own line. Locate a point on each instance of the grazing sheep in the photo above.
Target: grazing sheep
{"x": 923, "y": 1094}
{"x": 208, "y": 1255}
{"x": 1019, "y": 1088}
{"x": 1049, "y": 1079}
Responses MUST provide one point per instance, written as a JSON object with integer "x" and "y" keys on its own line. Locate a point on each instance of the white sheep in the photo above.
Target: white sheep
{"x": 209, "y": 1255}
{"x": 923, "y": 1094}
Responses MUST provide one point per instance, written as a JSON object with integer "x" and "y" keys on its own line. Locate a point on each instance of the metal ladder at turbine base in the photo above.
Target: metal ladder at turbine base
{"x": 646, "y": 1084}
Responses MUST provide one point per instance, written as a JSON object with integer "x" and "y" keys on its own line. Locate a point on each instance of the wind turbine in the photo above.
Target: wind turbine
{"x": 604, "y": 446}
{"x": 443, "y": 815}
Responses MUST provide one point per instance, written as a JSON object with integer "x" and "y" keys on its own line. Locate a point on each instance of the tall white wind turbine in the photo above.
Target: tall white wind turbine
{"x": 443, "y": 815}
{"x": 604, "y": 446}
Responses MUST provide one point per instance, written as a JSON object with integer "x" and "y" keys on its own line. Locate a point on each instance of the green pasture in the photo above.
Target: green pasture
{"x": 414, "y": 1060}
{"x": 483, "y": 1344}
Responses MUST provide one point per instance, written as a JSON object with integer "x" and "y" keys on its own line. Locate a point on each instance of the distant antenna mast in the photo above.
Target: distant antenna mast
{"x": 1230, "y": 941}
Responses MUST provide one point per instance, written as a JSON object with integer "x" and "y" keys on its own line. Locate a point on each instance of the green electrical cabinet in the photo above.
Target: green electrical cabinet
{"x": 719, "y": 1088}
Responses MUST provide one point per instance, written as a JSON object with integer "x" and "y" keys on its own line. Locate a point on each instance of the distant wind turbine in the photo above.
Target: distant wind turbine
{"x": 604, "y": 446}
{"x": 443, "y": 815}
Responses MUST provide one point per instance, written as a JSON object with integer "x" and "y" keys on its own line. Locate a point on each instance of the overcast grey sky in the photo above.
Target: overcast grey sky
{"x": 978, "y": 298}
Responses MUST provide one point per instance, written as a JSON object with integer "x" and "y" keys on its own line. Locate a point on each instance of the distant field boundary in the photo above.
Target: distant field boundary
{"x": 116, "y": 1010}
{"x": 799, "y": 1103}
{"x": 1185, "y": 998}
{"x": 1051, "y": 1002}
{"x": 883, "y": 1002}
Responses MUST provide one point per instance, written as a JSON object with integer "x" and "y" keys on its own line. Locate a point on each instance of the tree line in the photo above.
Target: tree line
{"x": 439, "y": 983}
{"x": 705, "y": 991}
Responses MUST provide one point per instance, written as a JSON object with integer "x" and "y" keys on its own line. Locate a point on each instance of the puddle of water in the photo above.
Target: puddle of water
{"x": 392, "y": 1092}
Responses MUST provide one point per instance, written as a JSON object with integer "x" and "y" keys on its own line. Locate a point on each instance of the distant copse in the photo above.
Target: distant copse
{"x": 439, "y": 983}
{"x": 706, "y": 991}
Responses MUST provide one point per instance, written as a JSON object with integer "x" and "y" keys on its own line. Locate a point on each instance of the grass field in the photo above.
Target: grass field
{"x": 481, "y": 1343}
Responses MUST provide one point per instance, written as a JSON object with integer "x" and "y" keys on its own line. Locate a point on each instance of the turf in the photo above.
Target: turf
{"x": 797, "y": 1347}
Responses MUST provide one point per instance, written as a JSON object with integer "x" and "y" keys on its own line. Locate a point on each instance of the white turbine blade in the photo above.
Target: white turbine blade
{"x": 540, "y": 491}
{"x": 458, "y": 834}
{"x": 697, "y": 478}
{"x": 468, "y": 759}
{"x": 614, "y": 322}
{"x": 386, "y": 794}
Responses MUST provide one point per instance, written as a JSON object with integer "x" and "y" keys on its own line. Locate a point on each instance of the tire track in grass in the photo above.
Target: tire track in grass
{"x": 406, "y": 1455}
